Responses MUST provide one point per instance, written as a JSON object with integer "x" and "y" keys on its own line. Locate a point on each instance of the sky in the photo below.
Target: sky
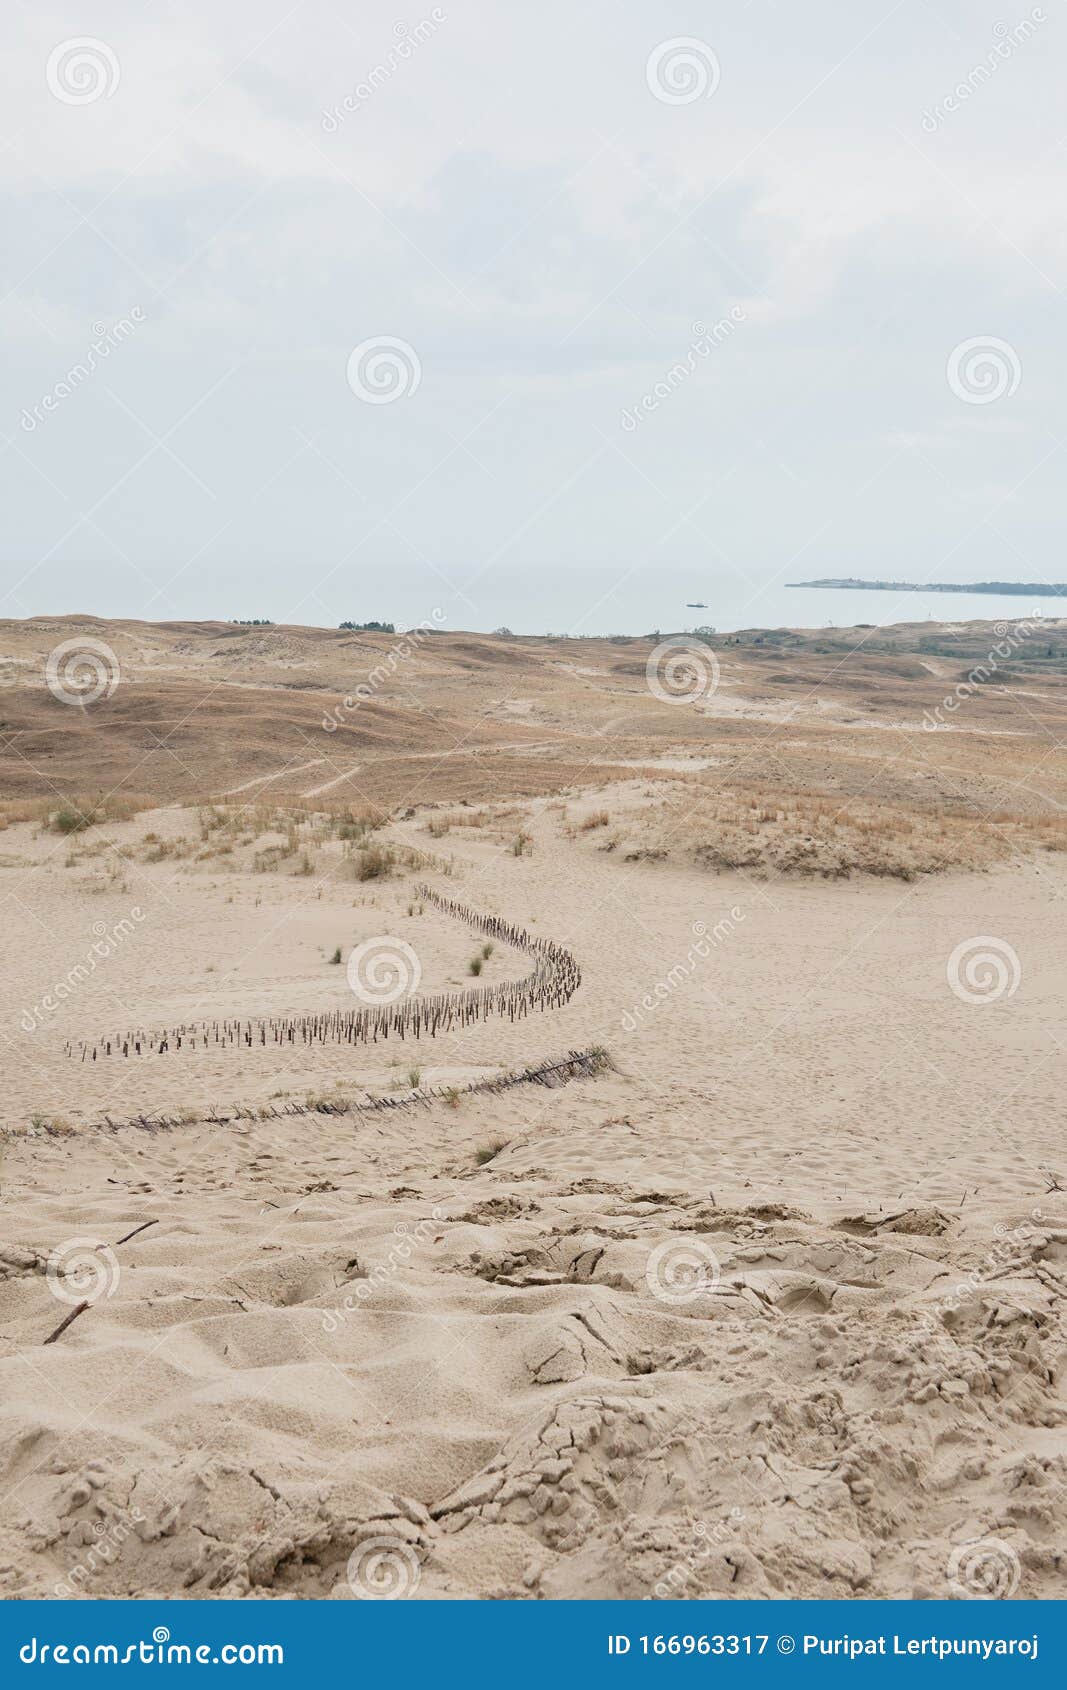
{"x": 552, "y": 317}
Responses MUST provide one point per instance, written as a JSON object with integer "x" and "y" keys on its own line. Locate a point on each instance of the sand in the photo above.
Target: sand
{"x": 771, "y": 1307}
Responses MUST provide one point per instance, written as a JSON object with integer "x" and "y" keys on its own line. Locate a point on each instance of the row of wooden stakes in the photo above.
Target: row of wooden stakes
{"x": 555, "y": 977}
{"x": 576, "y": 1065}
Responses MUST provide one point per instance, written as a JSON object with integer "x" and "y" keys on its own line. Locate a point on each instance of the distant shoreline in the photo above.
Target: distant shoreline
{"x": 1016, "y": 589}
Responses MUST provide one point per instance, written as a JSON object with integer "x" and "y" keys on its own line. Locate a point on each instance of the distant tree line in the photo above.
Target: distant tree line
{"x": 705, "y": 633}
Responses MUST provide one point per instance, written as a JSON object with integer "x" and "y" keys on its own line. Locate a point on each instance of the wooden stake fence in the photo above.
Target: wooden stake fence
{"x": 577, "y": 1064}
{"x": 554, "y": 979}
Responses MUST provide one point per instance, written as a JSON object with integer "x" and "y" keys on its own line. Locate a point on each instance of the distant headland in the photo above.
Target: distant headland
{"x": 1020, "y": 589}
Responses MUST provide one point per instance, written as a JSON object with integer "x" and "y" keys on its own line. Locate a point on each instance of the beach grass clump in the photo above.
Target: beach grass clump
{"x": 486, "y": 1153}
{"x": 77, "y": 814}
{"x": 374, "y": 862}
{"x": 70, "y": 819}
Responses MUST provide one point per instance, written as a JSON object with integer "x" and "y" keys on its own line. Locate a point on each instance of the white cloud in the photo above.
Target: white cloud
{"x": 511, "y": 199}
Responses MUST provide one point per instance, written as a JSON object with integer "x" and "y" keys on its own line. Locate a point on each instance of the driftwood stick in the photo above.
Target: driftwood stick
{"x": 142, "y": 1228}
{"x": 80, "y": 1308}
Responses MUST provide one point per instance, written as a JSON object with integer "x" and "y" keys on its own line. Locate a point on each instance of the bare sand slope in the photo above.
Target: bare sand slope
{"x": 775, "y": 1307}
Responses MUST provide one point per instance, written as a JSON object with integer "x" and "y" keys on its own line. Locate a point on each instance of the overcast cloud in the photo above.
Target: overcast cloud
{"x": 675, "y": 321}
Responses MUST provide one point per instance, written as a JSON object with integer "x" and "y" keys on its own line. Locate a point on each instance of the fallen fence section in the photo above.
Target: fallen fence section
{"x": 576, "y": 1065}
{"x": 554, "y": 979}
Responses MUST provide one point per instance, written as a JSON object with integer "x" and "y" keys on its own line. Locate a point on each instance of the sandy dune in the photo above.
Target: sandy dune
{"x": 765, "y": 1298}
{"x": 771, "y": 1308}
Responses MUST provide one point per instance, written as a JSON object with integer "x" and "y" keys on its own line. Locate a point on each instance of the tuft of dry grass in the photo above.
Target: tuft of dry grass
{"x": 50, "y": 1124}
{"x": 374, "y": 862}
{"x": 486, "y": 1152}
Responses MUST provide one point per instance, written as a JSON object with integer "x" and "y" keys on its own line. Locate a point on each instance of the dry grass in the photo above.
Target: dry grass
{"x": 821, "y": 763}
{"x": 440, "y": 824}
{"x": 770, "y": 832}
{"x": 77, "y": 814}
{"x": 95, "y": 808}
{"x": 374, "y": 862}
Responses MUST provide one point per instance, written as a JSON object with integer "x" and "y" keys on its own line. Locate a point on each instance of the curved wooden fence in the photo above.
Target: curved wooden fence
{"x": 554, "y": 978}
{"x": 577, "y": 1065}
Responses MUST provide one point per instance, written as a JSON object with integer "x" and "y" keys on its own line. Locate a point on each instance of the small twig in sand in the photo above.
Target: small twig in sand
{"x": 142, "y": 1228}
{"x": 62, "y": 1327}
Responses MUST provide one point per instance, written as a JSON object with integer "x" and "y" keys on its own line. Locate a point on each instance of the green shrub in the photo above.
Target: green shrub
{"x": 71, "y": 820}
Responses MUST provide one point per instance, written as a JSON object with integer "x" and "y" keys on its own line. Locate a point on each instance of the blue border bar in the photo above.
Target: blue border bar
{"x": 515, "y": 1645}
